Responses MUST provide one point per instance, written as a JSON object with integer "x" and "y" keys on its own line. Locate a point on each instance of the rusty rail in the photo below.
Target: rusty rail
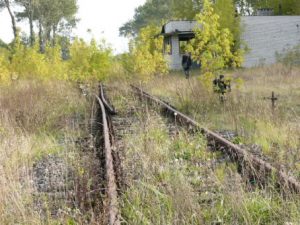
{"x": 110, "y": 108}
{"x": 236, "y": 152}
{"x": 111, "y": 190}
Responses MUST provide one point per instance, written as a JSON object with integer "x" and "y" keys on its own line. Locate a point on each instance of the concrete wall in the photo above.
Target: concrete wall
{"x": 174, "y": 59}
{"x": 266, "y": 35}
{"x": 183, "y": 25}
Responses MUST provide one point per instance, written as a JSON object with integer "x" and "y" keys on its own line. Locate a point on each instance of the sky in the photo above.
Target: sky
{"x": 103, "y": 17}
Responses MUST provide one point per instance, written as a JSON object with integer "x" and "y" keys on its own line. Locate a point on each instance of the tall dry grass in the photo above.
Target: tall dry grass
{"x": 246, "y": 109}
{"x": 38, "y": 120}
{"x": 174, "y": 180}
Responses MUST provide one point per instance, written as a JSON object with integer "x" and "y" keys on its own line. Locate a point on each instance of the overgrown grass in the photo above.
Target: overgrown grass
{"x": 38, "y": 119}
{"x": 175, "y": 180}
{"x": 246, "y": 110}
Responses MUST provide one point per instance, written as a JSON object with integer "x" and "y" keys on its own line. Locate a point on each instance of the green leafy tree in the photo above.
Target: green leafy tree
{"x": 52, "y": 16}
{"x": 50, "y": 13}
{"x": 229, "y": 19}
{"x": 185, "y": 9}
{"x": 280, "y": 7}
{"x": 154, "y": 12}
{"x": 212, "y": 45}
{"x": 28, "y": 13}
{"x": 151, "y": 13}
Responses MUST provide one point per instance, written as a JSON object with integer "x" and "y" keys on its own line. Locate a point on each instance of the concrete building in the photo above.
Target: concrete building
{"x": 263, "y": 35}
{"x": 176, "y": 35}
{"x": 267, "y": 35}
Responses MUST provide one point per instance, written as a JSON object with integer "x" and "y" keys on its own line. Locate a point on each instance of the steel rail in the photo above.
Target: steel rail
{"x": 236, "y": 152}
{"x": 110, "y": 109}
{"x": 111, "y": 190}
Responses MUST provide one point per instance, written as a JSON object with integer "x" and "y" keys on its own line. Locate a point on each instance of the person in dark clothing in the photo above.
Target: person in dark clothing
{"x": 221, "y": 86}
{"x": 186, "y": 64}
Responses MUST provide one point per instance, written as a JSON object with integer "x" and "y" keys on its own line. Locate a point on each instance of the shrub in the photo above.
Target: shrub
{"x": 4, "y": 70}
{"x": 290, "y": 57}
{"x": 146, "y": 54}
{"x": 212, "y": 46}
{"x": 89, "y": 61}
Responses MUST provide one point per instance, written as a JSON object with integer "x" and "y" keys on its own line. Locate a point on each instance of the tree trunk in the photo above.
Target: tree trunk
{"x": 41, "y": 38}
{"x": 54, "y": 29}
{"x": 12, "y": 16}
{"x": 32, "y": 37}
{"x": 48, "y": 29}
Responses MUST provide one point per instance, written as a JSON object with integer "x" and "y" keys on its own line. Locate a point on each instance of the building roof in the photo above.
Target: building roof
{"x": 179, "y": 27}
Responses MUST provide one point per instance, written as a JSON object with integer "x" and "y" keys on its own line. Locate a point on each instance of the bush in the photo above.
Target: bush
{"x": 290, "y": 57}
{"x": 146, "y": 54}
{"x": 4, "y": 71}
{"x": 87, "y": 62}
{"x": 212, "y": 45}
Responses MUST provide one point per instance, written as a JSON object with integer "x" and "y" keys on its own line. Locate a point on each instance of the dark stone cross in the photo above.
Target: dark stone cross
{"x": 273, "y": 99}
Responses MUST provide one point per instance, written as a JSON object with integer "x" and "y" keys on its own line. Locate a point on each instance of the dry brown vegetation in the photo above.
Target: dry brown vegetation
{"x": 44, "y": 176}
{"x": 175, "y": 180}
{"x": 170, "y": 179}
{"x": 246, "y": 111}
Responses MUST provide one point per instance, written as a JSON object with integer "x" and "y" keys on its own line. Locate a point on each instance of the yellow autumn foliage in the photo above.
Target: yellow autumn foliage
{"x": 146, "y": 54}
{"x": 212, "y": 45}
{"x": 88, "y": 61}
{"x": 5, "y": 77}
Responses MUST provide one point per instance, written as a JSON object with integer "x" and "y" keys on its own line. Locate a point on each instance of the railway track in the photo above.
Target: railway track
{"x": 104, "y": 143}
{"x": 256, "y": 168}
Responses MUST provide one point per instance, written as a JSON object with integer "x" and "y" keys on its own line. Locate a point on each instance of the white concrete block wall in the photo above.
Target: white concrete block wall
{"x": 172, "y": 26}
{"x": 175, "y": 57}
{"x": 266, "y": 35}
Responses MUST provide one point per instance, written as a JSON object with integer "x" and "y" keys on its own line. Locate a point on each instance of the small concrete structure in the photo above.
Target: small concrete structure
{"x": 263, "y": 35}
{"x": 176, "y": 35}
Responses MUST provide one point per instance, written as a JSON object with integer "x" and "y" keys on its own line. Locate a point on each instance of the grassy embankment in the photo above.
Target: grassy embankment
{"x": 170, "y": 180}
{"x": 246, "y": 110}
{"x": 174, "y": 180}
{"x": 39, "y": 119}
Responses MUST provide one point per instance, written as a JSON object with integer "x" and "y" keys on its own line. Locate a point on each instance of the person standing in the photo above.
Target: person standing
{"x": 221, "y": 86}
{"x": 186, "y": 64}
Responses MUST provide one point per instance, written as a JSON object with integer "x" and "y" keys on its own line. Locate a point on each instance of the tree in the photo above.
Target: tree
{"x": 212, "y": 45}
{"x": 280, "y": 7}
{"x": 244, "y": 6}
{"x": 29, "y": 13}
{"x": 7, "y": 5}
{"x": 228, "y": 18}
{"x": 151, "y": 13}
{"x": 146, "y": 57}
{"x": 185, "y": 9}
{"x": 51, "y": 15}
{"x": 155, "y": 12}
